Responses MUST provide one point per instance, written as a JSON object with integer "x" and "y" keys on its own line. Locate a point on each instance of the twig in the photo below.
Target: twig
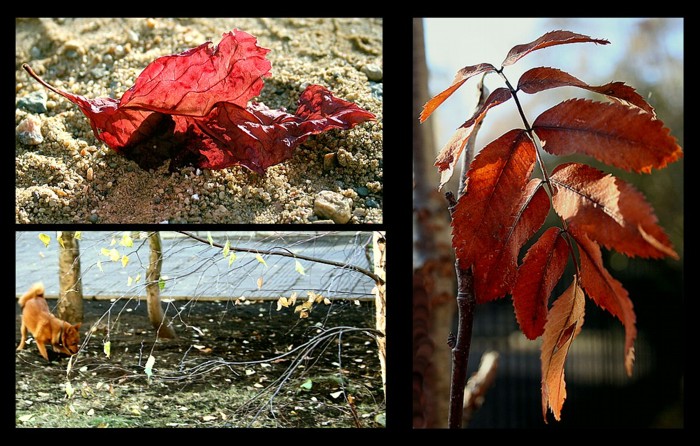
{"x": 479, "y": 384}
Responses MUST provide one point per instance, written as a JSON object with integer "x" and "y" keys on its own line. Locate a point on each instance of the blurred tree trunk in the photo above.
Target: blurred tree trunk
{"x": 379, "y": 247}
{"x": 434, "y": 281}
{"x": 155, "y": 310}
{"x": 70, "y": 302}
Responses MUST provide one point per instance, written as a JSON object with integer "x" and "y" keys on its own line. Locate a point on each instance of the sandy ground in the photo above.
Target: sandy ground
{"x": 71, "y": 177}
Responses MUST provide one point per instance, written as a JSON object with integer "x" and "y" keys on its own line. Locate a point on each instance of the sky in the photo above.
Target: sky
{"x": 453, "y": 43}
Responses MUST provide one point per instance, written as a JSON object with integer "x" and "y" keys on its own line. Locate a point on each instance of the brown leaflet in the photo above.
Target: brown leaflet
{"x": 448, "y": 156}
{"x": 563, "y": 325}
{"x": 461, "y": 77}
{"x": 544, "y": 78}
{"x": 539, "y": 273}
{"x": 496, "y": 179}
{"x": 605, "y": 291}
{"x": 614, "y": 134}
{"x": 550, "y": 39}
{"x": 495, "y": 272}
{"x": 609, "y": 210}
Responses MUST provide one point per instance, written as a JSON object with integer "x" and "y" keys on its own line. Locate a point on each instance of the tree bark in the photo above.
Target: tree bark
{"x": 434, "y": 281}
{"x": 155, "y": 310}
{"x": 379, "y": 248}
{"x": 70, "y": 303}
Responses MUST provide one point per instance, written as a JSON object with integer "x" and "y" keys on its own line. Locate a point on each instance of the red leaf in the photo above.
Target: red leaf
{"x": 609, "y": 210}
{"x": 563, "y": 325}
{"x": 539, "y": 273}
{"x": 497, "y": 177}
{"x": 605, "y": 291}
{"x": 449, "y": 155}
{"x": 495, "y": 271}
{"x": 193, "y": 82}
{"x": 614, "y": 134}
{"x": 461, "y": 77}
{"x": 258, "y": 137}
{"x": 547, "y": 40}
{"x": 544, "y": 78}
{"x": 190, "y": 108}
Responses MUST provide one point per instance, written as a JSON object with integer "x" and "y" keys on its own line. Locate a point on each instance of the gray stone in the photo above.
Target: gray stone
{"x": 34, "y": 102}
{"x": 334, "y": 206}
{"x": 362, "y": 191}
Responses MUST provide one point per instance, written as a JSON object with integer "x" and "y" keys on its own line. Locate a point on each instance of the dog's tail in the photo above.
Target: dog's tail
{"x": 37, "y": 290}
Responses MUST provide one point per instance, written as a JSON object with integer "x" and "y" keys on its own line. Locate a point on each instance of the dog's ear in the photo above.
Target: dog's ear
{"x": 77, "y": 326}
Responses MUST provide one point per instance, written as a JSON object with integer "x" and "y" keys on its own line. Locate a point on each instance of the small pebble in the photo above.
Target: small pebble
{"x": 90, "y": 174}
{"x": 362, "y": 191}
{"x": 35, "y": 53}
{"x": 370, "y": 203}
{"x": 329, "y": 161}
{"x": 34, "y": 102}
{"x": 333, "y": 205}
{"x": 29, "y": 131}
{"x": 94, "y": 218}
{"x": 373, "y": 72}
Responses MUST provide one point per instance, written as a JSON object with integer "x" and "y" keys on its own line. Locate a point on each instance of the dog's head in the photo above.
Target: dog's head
{"x": 70, "y": 338}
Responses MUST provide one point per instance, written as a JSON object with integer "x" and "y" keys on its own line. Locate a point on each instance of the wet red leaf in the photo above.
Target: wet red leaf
{"x": 192, "y": 108}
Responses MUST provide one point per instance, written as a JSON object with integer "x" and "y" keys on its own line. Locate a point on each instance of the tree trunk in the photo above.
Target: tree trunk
{"x": 155, "y": 310}
{"x": 379, "y": 247}
{"x": 70, "y": 302}
{"x": 434, "y": 281}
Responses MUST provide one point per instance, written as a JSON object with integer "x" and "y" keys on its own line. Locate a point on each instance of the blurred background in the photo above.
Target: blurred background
{"x": 647, "y": 54}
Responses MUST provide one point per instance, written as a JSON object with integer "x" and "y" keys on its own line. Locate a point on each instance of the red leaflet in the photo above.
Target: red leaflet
{"x": 544, "y": 78}
{"x": 448, "y": 156}
{"x": 191, "y": 108}
{"x": 547, "y": 40}
{"x": 605, "y": 291}
{"x": 461, "y": 77}
{"x": 542, "y": 268}
{"x": 609, "y": 210}
{"x": 614, "y": 134}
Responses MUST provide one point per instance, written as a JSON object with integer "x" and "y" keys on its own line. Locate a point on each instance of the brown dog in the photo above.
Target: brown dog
{"x": 46, "y": 327}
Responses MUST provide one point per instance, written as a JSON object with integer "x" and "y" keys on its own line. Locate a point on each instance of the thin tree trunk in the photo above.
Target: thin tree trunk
{"x": 70, "y": 303}
{"x": 379, "y": 247}
{"x": 434, "y": 280}
{"x": 155, "y": 310}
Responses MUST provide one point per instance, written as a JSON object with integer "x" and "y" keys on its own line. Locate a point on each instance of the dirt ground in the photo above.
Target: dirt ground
{"x": 68, "y": 176}
{"x": 231, "y": 366}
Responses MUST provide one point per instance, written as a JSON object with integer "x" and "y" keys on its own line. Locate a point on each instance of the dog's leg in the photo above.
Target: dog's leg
{"x": 23, "y": 332}
{"x": 42, "y": 350}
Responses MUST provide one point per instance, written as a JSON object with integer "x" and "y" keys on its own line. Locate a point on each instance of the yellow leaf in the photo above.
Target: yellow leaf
{"x": 299, "y": 268}
{"x": 78, "y": 235}
{"x": 138, "y": 277}
{"x": 125, "y": 260}
{"x": 231, "y": 258}
{"x": 107, "y": 347}
{"x": 113, "y": 242}
{"x": 260, "y": 282}
{"x": 129, "y": 280}
{"x": 226, "y": 249}
{"x": 563, "y": 324}
{"x": 326, "y": 301}
{"x": 259, "y": 258}
{"x": 60, "y": 241}
{"x": 293, "y": 299}
{"x": 99, "y": 266}
{"x": 114, "y": 255}
{"x": 69, "y": 389}
{"x": 211, "y": 240}
{"x": 149, "y": 366}
{"x": 126, "y": 241}
{"x": 282, "y": 302}
{"x": 45, "y": 239}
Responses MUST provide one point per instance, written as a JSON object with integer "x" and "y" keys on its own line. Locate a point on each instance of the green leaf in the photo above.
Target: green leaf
{"x": 161, "y": 284}
{"x": 259, "y": 258}
{"x": 307, "y": 385}
{"x": 127, "y": 241}
{"x": 45, "y": 239}
{"x": 107, "y": 348}
{"x": 211, "y": 240}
